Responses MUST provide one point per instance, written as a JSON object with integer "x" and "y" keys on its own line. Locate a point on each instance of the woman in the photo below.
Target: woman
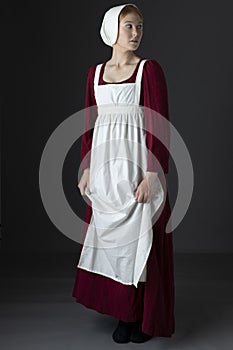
{"x": 125, "y": 267}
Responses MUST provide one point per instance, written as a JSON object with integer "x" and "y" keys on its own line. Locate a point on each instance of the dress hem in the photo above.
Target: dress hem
{"x": 119, "y": 317}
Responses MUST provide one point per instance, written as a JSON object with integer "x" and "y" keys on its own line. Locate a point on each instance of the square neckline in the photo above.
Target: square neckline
{"x": 104, "y": 82}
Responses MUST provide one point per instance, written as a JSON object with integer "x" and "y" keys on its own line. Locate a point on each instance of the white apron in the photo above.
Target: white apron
{"x": 119, "y": 237}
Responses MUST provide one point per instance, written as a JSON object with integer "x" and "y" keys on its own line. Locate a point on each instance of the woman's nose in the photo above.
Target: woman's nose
{"x": 135, "y": 32}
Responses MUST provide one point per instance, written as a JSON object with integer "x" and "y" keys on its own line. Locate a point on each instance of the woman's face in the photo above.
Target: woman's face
{"x": 130, "y": 32}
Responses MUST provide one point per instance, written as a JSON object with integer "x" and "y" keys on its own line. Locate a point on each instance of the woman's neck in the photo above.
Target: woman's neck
{"x": 121, "y": 58}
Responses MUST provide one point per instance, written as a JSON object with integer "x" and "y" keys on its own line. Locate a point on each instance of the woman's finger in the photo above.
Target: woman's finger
{"x": 136, "y": 194}
{"x": 81, "y": 187}
{"x": 140, "y": 197}
{"x": 81, "y": 190}
{"x": 88, "y": 189}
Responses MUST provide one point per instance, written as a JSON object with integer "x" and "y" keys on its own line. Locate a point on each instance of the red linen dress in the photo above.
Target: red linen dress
{"x": 153, "y": 301}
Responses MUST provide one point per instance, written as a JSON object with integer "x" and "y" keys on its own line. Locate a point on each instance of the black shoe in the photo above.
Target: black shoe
{"x": 122, "y": 332}
{"x": 137, "y": 335}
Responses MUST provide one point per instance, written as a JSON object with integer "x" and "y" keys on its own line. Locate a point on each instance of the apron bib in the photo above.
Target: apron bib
{"x": 119, "y": 237}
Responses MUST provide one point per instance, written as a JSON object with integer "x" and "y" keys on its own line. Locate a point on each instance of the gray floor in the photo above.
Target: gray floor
{"x": 37, "y": 310}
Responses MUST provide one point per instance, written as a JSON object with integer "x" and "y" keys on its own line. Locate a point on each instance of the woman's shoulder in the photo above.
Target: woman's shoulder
{"x": 153, "y": 70}
{"x": 91, "y": 70}
{"x": 152, "y": 65}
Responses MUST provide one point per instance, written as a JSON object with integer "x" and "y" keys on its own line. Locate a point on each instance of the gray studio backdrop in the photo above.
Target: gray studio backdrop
{"x": 47, "y": 51}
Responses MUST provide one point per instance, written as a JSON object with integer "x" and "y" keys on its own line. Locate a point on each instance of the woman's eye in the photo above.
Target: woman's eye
{"x": 130, "y": 26}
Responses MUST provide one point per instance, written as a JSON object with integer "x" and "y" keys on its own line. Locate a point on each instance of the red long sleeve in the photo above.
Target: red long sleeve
{"x": 89, "y": 119}
{"x": 155, "y": 96}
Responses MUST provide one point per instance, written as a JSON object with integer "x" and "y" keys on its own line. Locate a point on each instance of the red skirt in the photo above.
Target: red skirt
{"x": 152, "y": 302}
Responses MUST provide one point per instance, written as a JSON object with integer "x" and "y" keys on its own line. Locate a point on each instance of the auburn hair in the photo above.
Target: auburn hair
{"x": 129, "y": 9}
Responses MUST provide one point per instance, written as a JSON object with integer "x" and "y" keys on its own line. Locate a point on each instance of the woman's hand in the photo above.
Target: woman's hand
{"x": 147, "y": 188}
{"x": 84, "y": 182}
